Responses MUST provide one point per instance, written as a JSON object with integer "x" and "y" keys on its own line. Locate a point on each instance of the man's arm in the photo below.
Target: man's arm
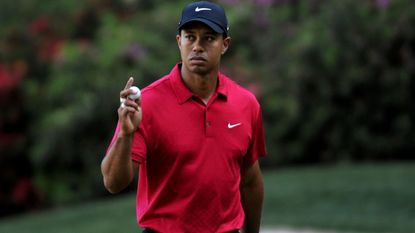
{"x": 252, "y": 194}
{"x": 117, "y": 168}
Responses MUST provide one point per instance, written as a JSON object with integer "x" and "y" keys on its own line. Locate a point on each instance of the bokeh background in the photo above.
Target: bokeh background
{"x": 335, "y": 80}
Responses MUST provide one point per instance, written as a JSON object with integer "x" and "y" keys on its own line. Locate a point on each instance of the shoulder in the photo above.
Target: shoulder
{"x": 158, "y": 89}
{"x": 238, "y": 93}
{"x": 161, "y": 88}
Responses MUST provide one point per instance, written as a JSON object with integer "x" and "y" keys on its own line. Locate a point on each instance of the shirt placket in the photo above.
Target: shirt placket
{"x": 208, "y": 123}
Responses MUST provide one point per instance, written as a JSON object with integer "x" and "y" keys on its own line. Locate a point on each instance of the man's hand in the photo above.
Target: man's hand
{"x": 129, "y": 112}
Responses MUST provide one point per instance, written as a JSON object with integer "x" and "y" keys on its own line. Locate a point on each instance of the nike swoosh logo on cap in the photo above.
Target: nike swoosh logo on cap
{"x": 230, "y": 126}
{"x": 202, "y": 9}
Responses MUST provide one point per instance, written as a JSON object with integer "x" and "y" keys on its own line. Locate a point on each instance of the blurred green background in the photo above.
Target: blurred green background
{"x": 335, "y": 80}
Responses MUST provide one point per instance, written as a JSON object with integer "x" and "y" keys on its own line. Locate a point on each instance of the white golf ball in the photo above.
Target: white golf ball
{"x": 136, "y": 93}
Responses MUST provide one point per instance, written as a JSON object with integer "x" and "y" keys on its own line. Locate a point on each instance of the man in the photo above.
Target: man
{"x": 195, "y": 137}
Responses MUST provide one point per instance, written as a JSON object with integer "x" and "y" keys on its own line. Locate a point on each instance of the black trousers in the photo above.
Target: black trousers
{"x": 147, "y": 230}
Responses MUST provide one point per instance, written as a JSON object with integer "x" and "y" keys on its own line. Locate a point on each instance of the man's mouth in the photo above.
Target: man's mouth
{"x": 197, "y": 58}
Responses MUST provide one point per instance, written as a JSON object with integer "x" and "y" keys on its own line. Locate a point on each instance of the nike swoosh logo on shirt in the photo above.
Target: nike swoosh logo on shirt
{"x": 230, "y": 126}
{"x": 202, "y": 9}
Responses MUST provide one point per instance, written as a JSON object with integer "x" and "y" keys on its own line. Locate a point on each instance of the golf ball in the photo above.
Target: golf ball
{"x": 136, "y": 93}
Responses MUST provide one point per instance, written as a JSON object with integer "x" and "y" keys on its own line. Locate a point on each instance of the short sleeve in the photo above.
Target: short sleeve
{"x": 257, "y": 147}
{"x": 138, "y": 150}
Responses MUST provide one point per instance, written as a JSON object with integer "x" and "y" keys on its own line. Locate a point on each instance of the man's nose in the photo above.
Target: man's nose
{"x": 197, "y": 46}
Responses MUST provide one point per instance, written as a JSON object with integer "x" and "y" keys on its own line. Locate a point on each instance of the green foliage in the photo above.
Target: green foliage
{"x": 77, "y": 110}
{"x": 339, "y": 82}
{"x": 334, "y": 79}
{"x": 18, "y": 14}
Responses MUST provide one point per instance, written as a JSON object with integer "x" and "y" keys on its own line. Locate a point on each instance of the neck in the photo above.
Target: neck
{"x": 202, "y": 85}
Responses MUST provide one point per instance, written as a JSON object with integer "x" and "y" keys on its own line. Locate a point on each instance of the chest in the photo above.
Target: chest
{"x": 191, "y": 129}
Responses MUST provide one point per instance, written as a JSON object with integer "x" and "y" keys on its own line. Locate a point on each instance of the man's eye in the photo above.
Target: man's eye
{"x": 210, "y": 38}
{"x": 189, "y": 37}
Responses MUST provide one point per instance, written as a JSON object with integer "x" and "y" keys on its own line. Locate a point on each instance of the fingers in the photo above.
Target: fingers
{"x": 124, "y": 110}
{"x": 127, "y": 91}
{"x": 127, "y": 109}
{"x": 129, "y": 83}
{"x": 129, "y": 112}
{"x": 125, "y": 102}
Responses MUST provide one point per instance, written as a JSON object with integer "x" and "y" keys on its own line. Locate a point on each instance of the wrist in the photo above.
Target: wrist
{"x": 125, "y": 136}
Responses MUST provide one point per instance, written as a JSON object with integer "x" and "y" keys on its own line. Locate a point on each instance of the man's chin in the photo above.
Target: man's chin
{"x": 200, "y": 70}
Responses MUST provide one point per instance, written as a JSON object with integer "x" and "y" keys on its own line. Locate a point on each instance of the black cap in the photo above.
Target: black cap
{"x": 208, "y": 13}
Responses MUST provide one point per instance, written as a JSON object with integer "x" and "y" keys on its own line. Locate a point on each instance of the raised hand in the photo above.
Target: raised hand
{"x": 129, "y": 112}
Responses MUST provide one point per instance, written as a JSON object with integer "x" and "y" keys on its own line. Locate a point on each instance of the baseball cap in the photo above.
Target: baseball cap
{"x": 208, "y": 13}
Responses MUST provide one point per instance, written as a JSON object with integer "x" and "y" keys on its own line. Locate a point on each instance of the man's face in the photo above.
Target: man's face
{"x": 201, "y": 48}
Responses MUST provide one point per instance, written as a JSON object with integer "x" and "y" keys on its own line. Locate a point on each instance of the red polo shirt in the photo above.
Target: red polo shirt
{"x": 191, "y": 154}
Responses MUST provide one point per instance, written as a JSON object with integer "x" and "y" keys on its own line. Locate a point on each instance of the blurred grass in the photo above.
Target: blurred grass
{"x": 361, "y": 198}
{"x": 113, "y": 214}
{"x": 365, "y": 198}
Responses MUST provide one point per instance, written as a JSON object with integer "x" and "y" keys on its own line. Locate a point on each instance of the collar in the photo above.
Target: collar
{"x": 183, "y": 93}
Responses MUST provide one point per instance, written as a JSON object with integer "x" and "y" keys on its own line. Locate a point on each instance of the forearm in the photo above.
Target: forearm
{"x": 117, "y": 166}
{"x": 252, "y": 195}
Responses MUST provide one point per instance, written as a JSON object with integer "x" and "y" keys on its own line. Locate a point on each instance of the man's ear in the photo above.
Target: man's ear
{"x": 179, "y": 39}
{"x": 226, "y": 43}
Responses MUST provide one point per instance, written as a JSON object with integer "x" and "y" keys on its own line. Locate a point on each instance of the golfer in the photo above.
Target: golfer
{"x": 194, "y": 137}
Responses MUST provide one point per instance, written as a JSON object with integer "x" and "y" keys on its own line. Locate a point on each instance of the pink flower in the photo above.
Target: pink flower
{"x": 382, "y": 3}
{"x": 231, "y": 2}
{"x": 264, "y": 2}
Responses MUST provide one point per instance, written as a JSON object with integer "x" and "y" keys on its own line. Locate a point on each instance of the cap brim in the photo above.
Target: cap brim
{"x": 209, "y": 23}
